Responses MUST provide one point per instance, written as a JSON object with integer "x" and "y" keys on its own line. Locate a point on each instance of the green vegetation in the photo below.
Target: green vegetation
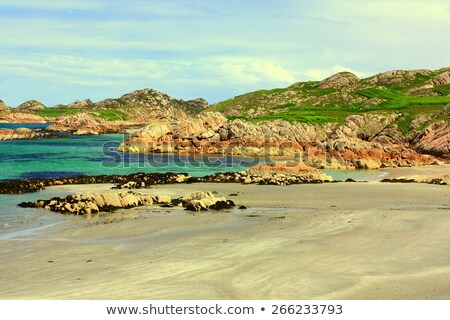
{"x": 55, "y": 112}
{"x": 296, "y": 116}
{"x": 108, "y": 114}
{"x": 308, "y": 102}
{"x": 397, "y": 100}
{"x": 409, "y": 107}
{"x": 443, "y": 90}
{"x": 266, "y": 92}
{"x": 111, "y": 115}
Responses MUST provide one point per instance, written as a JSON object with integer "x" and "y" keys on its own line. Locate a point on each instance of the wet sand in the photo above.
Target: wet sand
{"x": 330, "y": 241}
{"x": 434, "y": 171}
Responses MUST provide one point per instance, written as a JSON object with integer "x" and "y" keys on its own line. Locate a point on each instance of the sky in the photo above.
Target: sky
{"x": 58, "y": 51}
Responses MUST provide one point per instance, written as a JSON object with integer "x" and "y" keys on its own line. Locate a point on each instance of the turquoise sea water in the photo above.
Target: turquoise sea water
{"x": 95, "y": 155}
{"x": 88, "y": 155}
{"x": 14, "y": 126}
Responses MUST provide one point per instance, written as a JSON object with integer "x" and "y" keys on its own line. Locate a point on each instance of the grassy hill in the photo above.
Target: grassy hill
{"x": 409, "y": 93}
{"x": 140, "y": 105}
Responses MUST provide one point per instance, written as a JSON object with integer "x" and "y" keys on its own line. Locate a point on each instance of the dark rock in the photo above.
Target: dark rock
{"x": 220, "y": 205}
{"x": 140, "y": 179}
{"x": 191, "y": 207}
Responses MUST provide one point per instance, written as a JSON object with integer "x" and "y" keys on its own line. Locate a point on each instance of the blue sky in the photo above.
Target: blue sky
{"x": 58, "y": 51}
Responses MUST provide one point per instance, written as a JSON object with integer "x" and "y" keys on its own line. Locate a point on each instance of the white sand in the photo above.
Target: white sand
{"x": 337, "y": 241}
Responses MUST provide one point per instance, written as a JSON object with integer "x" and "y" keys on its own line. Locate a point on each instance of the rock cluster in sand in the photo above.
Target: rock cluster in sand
{"x": 444, "y": 180}
{"x": 88, "y": 203}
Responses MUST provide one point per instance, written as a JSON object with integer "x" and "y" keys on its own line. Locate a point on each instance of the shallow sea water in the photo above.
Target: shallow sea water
{"x": 95, "y": 155}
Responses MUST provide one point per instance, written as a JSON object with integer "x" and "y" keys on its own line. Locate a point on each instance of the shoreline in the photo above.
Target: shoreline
{"x": 431, "y": 171}
{"x": 380, "y": 244}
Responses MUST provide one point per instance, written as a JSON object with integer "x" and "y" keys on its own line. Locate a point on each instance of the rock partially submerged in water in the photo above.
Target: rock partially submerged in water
{"x": 134, "y": 180}
{"x": 88, "y": 203}
{"x": 268, "y": 174}
{"x": 19, "y": 133}
{"x": 276, "y": 173}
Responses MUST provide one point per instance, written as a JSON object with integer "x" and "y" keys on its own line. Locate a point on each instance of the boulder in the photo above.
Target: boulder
{"x": 339, "y": 81}
{"x": 201, "y": 201}
{"x": 112, "y": 199}
{"x": 130, "y": 200}
{"x": 162, "y": 199}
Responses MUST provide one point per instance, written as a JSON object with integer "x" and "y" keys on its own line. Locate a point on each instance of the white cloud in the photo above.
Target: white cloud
{"x": 202, "y": 46}
{"x": 87, "y": 71}
{"x": 382, "y": 10}
{"x": 320, "y": 74}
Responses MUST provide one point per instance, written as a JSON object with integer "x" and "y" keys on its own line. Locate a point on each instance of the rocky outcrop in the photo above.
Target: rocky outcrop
{"x": 277, "y": 173}
{"x": 364, "y": 141}
{"x": 187, "y": 135}
{"x": 283, "y": 173}
{"x": 196, "y": 106}
{"x": 339, "y": 80}
{"x": 88, "y": 203}
{"x": 202, "y": 201}
{"x": 20, "y": 133}
{"x": 397, "y": 77}
{"x": 435, "y": 140}
{"x": 343, "y": 90}
{"x": 2, "y": 106}
{"x": 17, "y": 117}
{"x": 139, "y": 106}
{"x": 83, "y": 123}
{"x": 77, "y": 104}
{"x": 443, "y": 180}
{"x": 442, "y": 79}
{"x": 149, "y": 105}
{"x": 30, "y": 106}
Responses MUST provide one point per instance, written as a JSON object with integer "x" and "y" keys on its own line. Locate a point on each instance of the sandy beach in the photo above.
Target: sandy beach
{"x": 433, "y": 171}
{"x": 328, "y": 241}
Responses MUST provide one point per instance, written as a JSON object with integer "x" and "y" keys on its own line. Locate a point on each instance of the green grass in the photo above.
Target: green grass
{"x": 291, "y": 116}
{"x": 110, "y": 115}
{"x": 442, "y": 90}
{"x": 55, "y": 112}
{"x": 332, "y": 108}
{"x": 400, "y": 101}
{"x": 260, "y": 93}
{"x": 408, "y": 106}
